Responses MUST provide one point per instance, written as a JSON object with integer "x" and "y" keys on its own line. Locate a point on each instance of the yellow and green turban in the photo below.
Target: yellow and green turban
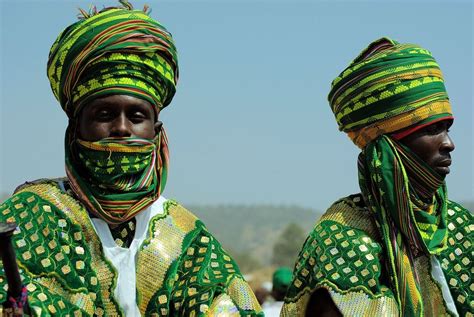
{"x": 389, "y": 87}
{"x": 115, "y": 51}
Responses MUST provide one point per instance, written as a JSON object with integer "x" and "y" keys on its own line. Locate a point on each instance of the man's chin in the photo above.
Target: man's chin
{"x": 443, "y": 171}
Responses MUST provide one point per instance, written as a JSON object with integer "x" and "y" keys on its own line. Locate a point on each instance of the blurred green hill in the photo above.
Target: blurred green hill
{"x": 249, "y": 233}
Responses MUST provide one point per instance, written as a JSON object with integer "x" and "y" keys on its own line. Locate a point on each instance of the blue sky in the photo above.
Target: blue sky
{"x": 250, "y": 122}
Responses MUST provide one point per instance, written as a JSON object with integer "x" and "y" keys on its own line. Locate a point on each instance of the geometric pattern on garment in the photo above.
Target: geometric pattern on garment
{"x": 239, "y": 290}
{"x": 182, "y": 268}
{"x": 457, "y": 261}
{"x": 124, "y": 233}
{"x": 56, "y": 243}
{"x": 223, "y": 305}
{"x": 160, "y": 250}
{"x": 346, "y": 261}
{"x": 207, "y": 270}
{"x": 60, "y": 274}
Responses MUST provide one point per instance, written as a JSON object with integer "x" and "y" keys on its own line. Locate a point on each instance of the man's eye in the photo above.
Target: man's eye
{"x": 103, "y": 114}
{"x": 437, "y": 128}
{"x": 138, "y": 116}
{"x": 432, "y": 129}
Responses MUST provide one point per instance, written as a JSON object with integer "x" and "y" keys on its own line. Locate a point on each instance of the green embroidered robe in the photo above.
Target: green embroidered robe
{"x": 181, "y": 269}
{"x": 344, "y": 255}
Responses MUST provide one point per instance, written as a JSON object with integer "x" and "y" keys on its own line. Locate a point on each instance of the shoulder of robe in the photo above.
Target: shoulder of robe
{"x": 32, "y": 197}
{"x": 341, "y": 253}
{"x": 42, "y": 181}
{"x": 180, "y": 217}
{"x": 56, "y": 246}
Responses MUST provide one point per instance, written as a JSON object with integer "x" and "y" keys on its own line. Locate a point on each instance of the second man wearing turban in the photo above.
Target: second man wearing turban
{"x": 400, "y": 247}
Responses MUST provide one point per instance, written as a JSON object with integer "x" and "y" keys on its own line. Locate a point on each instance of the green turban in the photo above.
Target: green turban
{"x": 115, "y": 51}
{"x": 282, "y": 279}
{"x": 389, "y": 87}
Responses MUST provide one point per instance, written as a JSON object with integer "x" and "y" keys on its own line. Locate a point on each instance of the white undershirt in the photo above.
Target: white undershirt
{"x": 438, "y": 275}
{"x": 123, "y": 259}
{"x": 272, "y": 309}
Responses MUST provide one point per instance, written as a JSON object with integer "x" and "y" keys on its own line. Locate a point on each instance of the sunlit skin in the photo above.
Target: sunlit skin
{"x": 118, "y": 116}
{"x": 433, "y": 145}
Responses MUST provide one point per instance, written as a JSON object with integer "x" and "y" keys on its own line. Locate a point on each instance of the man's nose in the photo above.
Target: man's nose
{"x": 121, "y": 127}
{"x": 447, "y": 143}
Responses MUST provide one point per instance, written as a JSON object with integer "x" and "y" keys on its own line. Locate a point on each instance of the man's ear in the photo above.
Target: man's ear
{"x": 158, "y": 125}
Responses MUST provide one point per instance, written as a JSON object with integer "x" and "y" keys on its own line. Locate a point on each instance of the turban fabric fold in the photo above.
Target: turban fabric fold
{"x": 116, "y": 51}
{"x": 387, "y": 88}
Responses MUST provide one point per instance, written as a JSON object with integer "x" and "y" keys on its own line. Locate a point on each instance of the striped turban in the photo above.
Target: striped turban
{"x": 389, "y": 87}
{"x": 115, "y": 51}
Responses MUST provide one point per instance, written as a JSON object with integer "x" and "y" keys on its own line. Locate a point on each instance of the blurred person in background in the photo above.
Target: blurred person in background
{"x": 104, "y": 241}
{"x": 261, "y": 294}
{"x": 400, "y": 247}
{"x": 281, "y": 280}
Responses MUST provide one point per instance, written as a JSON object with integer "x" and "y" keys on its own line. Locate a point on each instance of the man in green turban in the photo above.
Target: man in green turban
{"x": 400, "y": 247}
{"x": 281, "y": 280}
{"x": 103, "y": 241}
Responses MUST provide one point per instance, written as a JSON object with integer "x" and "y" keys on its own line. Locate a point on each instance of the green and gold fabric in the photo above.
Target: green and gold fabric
{"x": 117, "y": 178}
{"x": 181, "y": 269}
{"x": 375, "y": 252}
{"x": 344, "y": 254}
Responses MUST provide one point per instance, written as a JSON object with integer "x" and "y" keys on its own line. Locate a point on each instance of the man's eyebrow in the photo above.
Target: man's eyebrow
{"x": 101, "y": 103}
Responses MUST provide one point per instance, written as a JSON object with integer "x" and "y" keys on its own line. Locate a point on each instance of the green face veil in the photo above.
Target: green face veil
{"x": 115, "y": 51}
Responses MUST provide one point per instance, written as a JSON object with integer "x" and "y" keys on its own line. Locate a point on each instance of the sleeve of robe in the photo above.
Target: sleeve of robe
{"x": 56, "y": 262}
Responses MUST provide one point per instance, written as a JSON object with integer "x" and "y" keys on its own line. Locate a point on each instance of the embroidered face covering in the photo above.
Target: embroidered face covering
{"x": 118, "y": 177}
{"x": 119, "y": 165}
